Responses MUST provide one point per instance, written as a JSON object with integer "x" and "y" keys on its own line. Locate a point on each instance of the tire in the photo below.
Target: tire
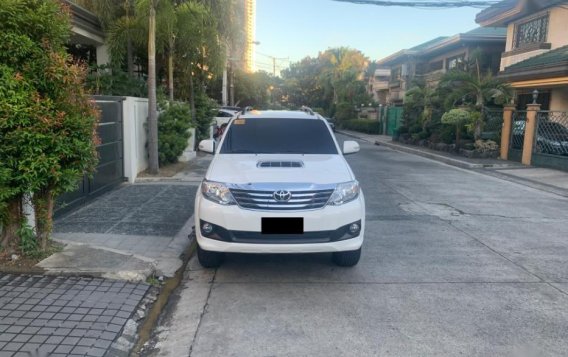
{"x": 348, "y": 258}
{"x": 209, "y": 259}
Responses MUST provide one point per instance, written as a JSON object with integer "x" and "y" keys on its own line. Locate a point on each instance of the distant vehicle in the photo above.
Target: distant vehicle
{"x": 551, "y": 138}
{"x": 233, "y": 108}
{"x": 223, "y": 116}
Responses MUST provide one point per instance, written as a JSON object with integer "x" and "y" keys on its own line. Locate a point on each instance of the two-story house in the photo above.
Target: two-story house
{"x": 378, "y": 86}
{"x": 87, "y": 40}
{"x": 403, "y": 67}
{"x": 429, "y": 61}
{"x": 536, "y": 54}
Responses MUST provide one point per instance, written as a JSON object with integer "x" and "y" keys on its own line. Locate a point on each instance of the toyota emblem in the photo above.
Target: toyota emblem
{"x": 282, "y": 195}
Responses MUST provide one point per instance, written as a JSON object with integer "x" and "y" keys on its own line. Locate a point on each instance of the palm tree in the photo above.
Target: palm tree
{"x": 153, "y": 165}
{"x": 471, "y": 84}
{"x": 424, "y": 99}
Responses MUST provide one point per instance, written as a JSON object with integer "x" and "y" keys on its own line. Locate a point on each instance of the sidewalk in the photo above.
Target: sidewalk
{"x": 131, "y": 233}
{"x": 554, "y": 181}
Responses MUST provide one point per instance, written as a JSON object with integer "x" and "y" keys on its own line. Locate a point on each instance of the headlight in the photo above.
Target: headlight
{"x": 344, "y": 192}
{"x": 217, "y": 192}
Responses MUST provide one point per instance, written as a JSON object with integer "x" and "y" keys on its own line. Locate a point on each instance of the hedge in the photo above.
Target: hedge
{"x": 368, "y": 126}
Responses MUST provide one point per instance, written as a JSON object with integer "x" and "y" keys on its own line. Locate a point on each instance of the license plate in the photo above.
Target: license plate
{"x": 279, "y": 225}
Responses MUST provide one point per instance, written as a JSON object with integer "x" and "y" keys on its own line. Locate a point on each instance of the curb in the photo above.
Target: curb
{"x": 441, "y": 158}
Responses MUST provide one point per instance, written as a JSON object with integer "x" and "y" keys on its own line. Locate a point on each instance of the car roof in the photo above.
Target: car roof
{"x": 277, "y": 114}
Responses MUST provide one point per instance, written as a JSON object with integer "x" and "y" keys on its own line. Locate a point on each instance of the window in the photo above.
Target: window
{"x": 455, "y": 62}
{"x": 396, "y": 74}
{"x": 531, "y": 32}
{"x": 278, "y": 136}
{"x": 435, "y": 66}
{"x": 525, "y": 97}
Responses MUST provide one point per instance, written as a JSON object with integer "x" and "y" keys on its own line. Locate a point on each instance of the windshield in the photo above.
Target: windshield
{"x": 278, "y": 136}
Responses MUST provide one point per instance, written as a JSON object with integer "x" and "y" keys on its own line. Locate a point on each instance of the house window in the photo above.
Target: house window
{"x": 455, "y": 62}
{"x": 525, "y": 97}
{"x": 396, "y": 74}
{"x": 531, "y": 32}
{"x": 435, "y": 66}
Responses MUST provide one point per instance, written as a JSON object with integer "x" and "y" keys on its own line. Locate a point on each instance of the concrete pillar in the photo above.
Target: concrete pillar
{"x": 102, "y": 55}
{"x": 530, "y": 131}
{"x": 506, "y": 132}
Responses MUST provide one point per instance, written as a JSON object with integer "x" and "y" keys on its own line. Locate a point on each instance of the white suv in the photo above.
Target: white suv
{"x": 279, "y": 184}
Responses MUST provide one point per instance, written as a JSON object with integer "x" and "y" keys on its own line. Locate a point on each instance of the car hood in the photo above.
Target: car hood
{"x": 244, "y": 168}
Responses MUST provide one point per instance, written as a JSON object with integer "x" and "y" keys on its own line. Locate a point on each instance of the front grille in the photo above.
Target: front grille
{"x": 264, "y": 200}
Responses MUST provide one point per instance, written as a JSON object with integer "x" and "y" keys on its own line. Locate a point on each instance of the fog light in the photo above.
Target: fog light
{"x": 206, "y": 228}
{"x": 354, "y": 228}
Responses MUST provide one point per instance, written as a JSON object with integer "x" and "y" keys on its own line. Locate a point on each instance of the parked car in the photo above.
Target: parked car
{"x": 279, "y": 184}
{"x": 551, "y": 138}
{"x": 223, "y": 116}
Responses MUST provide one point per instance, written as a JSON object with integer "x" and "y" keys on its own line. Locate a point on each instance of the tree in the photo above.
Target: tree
{"x": 457, "y": 118}
{"x": 471, "y": 84}
{"x": 153, "y": 163}
{"x": 423, "y": 100}
{"x": 47, "y": 121}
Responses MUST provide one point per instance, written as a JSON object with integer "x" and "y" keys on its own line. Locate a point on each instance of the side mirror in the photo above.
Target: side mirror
{"x": 207, "y": 146}
{"x": 350, "y": 147}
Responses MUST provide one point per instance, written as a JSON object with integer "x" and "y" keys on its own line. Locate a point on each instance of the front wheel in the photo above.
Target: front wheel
{"x": 209, "y": 259}
{"x": 348, "y": 258}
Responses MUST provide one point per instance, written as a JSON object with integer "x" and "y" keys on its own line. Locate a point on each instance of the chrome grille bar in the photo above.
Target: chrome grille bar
{"x": 264, "y": 200}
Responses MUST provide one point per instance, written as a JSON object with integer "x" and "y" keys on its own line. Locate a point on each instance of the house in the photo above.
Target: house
{"x": 87, "y": 40}
{"x": 536, "y": 53}
{"x": 429, "y": 61}
{"x": 378, "y": 86}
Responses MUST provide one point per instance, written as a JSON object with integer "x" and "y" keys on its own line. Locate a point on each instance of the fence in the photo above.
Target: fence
{"x": 552, "y": 133}
{"x": 536, "y": 137}
{"x": 492, "y": 124}
{"x": 519, "y": 124}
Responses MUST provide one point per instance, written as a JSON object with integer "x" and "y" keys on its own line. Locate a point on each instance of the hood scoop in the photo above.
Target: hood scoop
{"x": 283, "y": 164}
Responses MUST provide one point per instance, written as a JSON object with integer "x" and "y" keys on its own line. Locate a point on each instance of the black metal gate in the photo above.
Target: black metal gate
{"x": 518, "y": 123}
{"x": 110, "y": 169}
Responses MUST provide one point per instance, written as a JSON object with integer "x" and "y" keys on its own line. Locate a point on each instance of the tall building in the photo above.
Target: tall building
{"x": 250, "y": 27}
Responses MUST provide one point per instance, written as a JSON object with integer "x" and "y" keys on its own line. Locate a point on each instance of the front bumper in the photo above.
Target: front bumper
{"x": 241, "y": 228}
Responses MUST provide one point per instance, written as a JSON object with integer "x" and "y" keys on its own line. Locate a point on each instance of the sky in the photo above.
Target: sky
{"x": 294, "y": 29}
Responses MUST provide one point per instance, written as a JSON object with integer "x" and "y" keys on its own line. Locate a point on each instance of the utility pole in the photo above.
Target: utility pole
{"x": 274, "y": 59}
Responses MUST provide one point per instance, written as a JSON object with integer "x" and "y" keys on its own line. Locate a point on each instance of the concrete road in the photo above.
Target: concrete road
{"x": 454, "y": 263}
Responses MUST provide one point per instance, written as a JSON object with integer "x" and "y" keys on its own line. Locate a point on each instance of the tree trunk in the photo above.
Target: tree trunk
{"x": 171, "y": 69}
{"x": 129, "y": 49}
{"x": 12, "y": 224}
{"x": 130, "y": 57}
{"x": 43, "y": 201}
{"x": 458, "y": 137}
{"x": 153, "y": 166}
{"x": 192, "y": 95}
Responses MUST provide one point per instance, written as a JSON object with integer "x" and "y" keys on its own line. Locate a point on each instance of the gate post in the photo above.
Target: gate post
{"x": 506, "y": 131}
{"x": 530, "y": 128}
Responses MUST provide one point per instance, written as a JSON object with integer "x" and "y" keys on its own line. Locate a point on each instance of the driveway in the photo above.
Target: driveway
{"x": 454, "y": 263}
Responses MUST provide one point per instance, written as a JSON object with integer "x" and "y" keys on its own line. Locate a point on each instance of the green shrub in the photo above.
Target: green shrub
{"x": 345, "y": 111}
{"x": 47, "y": 120}
{"x": 203, "y": 115}
{"x": 107, "y": 80}
{"x": 459, "y": 118}
{"x": 173, "y": 131}
{"x": 362, "y": 125}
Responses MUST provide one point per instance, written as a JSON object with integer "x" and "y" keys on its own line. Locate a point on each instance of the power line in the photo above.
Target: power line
{"x": 425, "y": 4}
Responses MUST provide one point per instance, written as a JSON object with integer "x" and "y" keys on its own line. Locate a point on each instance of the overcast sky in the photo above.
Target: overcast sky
{"x": 298, "y": 28}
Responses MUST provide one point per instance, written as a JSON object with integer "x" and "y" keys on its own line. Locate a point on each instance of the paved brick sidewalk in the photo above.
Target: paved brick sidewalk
{"x": 64, "y": 316}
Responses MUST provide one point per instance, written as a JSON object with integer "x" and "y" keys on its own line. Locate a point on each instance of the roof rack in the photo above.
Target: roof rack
{"x": 307, "y": 110}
